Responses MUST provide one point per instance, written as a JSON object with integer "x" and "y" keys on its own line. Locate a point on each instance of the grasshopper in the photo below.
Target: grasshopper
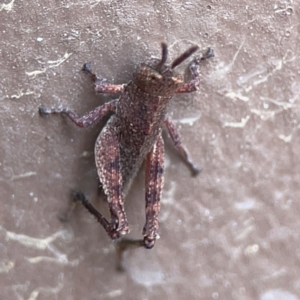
{"x": 133, "y": 134}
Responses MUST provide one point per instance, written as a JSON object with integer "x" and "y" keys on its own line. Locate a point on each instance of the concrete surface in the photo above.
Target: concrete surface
{"x": 231, "y": 233}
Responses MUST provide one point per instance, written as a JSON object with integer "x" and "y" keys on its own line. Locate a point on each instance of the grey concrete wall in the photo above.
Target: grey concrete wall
{"x": 232, "y": 232}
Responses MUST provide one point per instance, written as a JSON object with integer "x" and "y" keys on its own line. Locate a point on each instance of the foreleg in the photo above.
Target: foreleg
{"x": 193, "y": 85}
{"x": 100, "y": 86}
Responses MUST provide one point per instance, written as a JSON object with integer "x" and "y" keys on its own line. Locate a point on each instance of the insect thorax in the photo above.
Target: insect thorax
{"x": 162, "y": 81}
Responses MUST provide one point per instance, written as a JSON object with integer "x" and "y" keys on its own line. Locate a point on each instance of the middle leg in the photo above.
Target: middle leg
{"x": 87, "y": 120}
{"x": 180, "y": 148}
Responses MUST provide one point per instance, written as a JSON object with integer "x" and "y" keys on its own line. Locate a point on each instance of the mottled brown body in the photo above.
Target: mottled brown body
{"x": 136, "y": 128}
{"x": 134, "y": 134}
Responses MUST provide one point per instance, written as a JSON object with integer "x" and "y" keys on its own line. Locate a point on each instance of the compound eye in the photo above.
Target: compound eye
{"x": 177, "y": 80}
{"x": 155, "y": 76}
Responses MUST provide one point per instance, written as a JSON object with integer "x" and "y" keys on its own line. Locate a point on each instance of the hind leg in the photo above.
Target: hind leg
{"x": 107, "y": 156}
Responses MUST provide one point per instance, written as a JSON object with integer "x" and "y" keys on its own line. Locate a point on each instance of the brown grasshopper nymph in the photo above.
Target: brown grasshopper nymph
{"x": 133, "y": 134}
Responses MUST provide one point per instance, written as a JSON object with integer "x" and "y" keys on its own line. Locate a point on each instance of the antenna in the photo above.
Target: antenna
{"x": 184, "y": 56}
{"x": 164, "y": 55}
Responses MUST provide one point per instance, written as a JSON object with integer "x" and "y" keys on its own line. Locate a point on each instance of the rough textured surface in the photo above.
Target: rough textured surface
{"x": 231, "y": 233}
